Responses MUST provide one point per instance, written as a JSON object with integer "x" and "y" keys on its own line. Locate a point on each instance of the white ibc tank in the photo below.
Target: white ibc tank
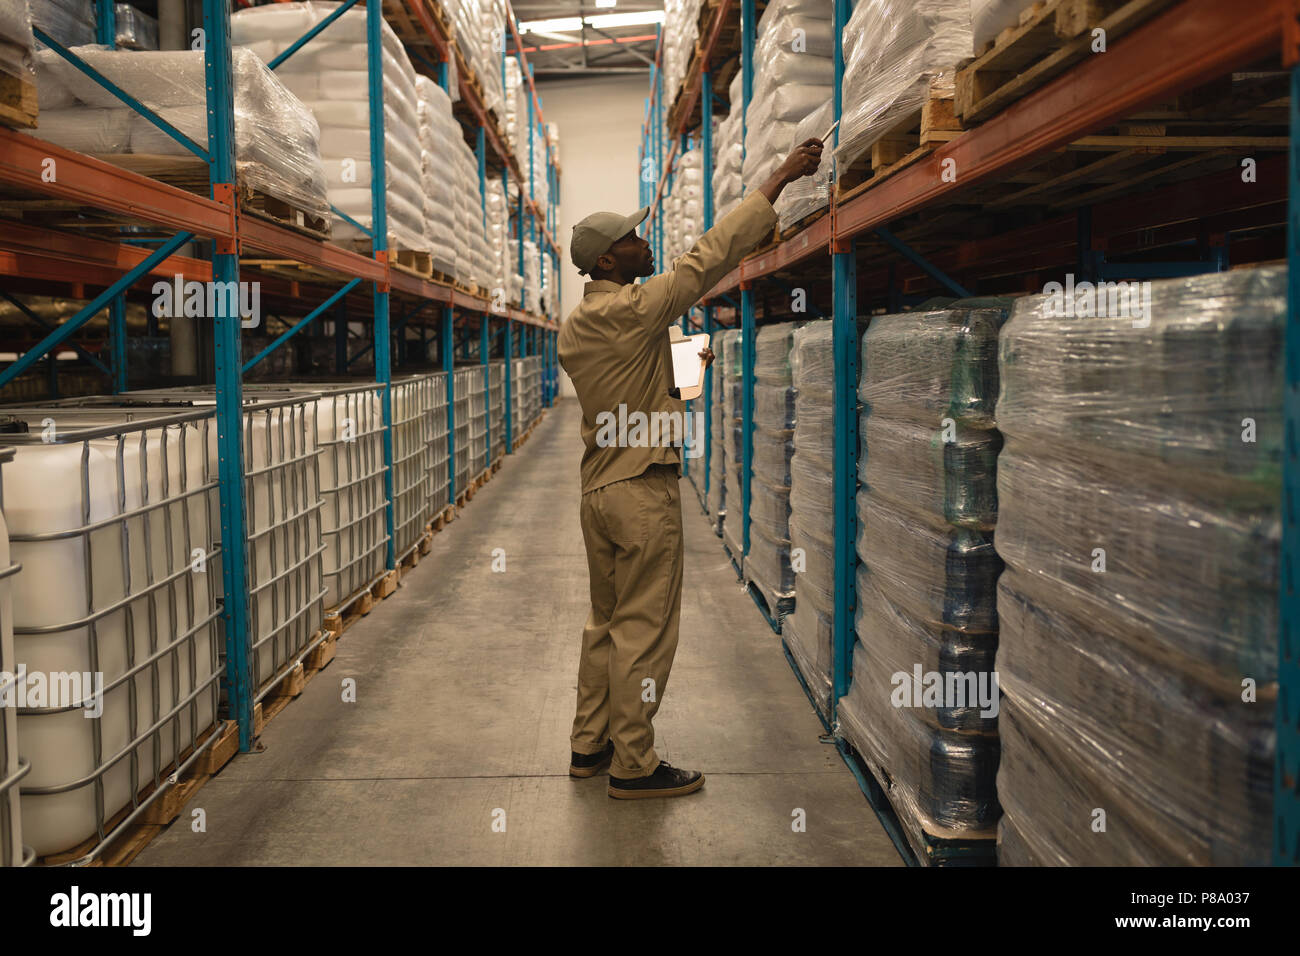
{"x": 282, "y": 504}
{"x": 345, "y": 423}
{"x": 415, "y": 398}
{"x": 12, "y": 766}
{"x": 105, "y": 511}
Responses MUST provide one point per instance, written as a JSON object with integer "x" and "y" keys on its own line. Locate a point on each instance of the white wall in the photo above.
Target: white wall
{"x": 600, "y": 132}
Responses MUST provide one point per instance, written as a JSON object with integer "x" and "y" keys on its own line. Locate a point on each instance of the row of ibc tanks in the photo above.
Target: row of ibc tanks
{"x": 114, "y": 583}
{"x": 1067, "y": 539}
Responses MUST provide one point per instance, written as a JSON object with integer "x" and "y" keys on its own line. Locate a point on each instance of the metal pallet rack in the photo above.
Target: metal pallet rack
{"x": 1183, "y": 45}
{"x": 44, "y": 259}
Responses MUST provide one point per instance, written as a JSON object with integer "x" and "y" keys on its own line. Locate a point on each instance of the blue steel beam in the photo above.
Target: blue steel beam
{"x": 748, "y": 355}
{"x": 298, "y": 327}
{"x": 918, "y": 260}
{"x": 1286, "y": 775}
{"x": 447, "y": 353}
{"x": 121, "y": 94}
{"x": 510, "y": 375}
{"x": 379, "y": 243}
{"x": 50, "y": 326}
{"x": 239, "y": 680}
{"x": 349, "y": 220}
{"x": 844, "y": 467}
{"x": 484, "y": 351}
{"x": 65, "y": 331}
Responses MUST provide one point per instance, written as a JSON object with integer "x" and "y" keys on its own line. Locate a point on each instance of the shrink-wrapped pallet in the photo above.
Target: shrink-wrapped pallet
{"x": 276, "y": 137}
{"x": 794, "y": 74}
{"x": 893, "y": 49}
{"x": 436, "y": 174}
{"x": 16, "y": 41}
{"x": 729, "y": 377}
{"x": 68, "y": 22}
{"x": 767, "y": 565}
{"x": 330, "y": 76}
{"x": 1139, "y": 489}
{"x": 923, "y": 705}
{"x": 808, "y": 631}
{"x": 134, "y": 30}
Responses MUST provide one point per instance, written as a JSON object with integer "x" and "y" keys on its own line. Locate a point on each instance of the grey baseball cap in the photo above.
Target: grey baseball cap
{"x": 594, "y": 235}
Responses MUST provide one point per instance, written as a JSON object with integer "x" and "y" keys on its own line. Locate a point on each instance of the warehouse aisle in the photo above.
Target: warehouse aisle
{"x": 464, "y": 695}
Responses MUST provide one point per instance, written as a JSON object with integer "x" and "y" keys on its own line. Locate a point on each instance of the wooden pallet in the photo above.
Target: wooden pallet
{"x": 125, "y": 846}
{"x": 191, "y": 174}
{"x": 443, "y": 518}
{"x": 294, "y": 682}
{"x": 803, "y": 223}
{"x": 914, "y": 136}
{"x": 337, "y": 621}
{"x": 416, "y": 263}
{"x": 935, "y": 845}
{"x": 18, "y": 106}
{"x": 1051, "y": 37}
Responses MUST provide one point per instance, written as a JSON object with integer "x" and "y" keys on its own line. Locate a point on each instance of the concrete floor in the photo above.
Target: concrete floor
{"x": 465, "y": 690}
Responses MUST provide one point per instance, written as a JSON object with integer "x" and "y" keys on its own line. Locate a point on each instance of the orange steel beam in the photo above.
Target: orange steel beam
{"x": 1189, "y": 44}
{"x": 25, "y": 161}
{"x": 46, "y": 253}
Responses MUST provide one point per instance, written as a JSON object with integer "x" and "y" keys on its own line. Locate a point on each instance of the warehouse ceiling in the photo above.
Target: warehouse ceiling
{"x": 585, "y": 37}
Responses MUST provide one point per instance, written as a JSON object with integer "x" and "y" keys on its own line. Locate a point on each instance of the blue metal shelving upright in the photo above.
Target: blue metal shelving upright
{"x": 1286, "y": 786}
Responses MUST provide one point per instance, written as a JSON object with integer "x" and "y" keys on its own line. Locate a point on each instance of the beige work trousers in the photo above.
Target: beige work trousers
{"x": 633, "y": 532}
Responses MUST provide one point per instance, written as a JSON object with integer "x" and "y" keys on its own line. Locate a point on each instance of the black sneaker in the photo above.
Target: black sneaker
{"x": 588, "y": 765}
{"x": 666, "y": 781}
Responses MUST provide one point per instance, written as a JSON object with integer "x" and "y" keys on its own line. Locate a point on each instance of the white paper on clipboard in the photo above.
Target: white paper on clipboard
{"x": 688, "y": 367}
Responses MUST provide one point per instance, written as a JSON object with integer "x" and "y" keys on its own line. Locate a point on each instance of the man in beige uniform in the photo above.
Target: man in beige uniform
{"x": 614, "y": 347}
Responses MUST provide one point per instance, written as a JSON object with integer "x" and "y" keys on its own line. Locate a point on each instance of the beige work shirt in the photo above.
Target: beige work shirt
{"x": 614, "y": 345}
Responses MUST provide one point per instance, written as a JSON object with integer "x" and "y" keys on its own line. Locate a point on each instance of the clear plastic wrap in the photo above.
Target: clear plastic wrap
{"x": 942, "y": 783}
{"x": 276, "y": 138}
{"x": 904, "y": 654}
{"x": 17, "y": 44}
{"x": 329, "y": 75}
{"x": 135, "y": 30}
{"x": 772, "y": 346}
{"x": 808, "y": 631}
{"x": 1174, "y": 390}
{"x": 806, "y": 195}
{"x": 915, "y": 468}
{"x": 1185, "y": 775}
{"x": 70, "y": 22}
{"x": 892, "y": 51}
{"x": 1140, "y": 527}
{"x": 942, "y": 578}
{"x": 927, "y": 573}
{"x": 933, "y": 365}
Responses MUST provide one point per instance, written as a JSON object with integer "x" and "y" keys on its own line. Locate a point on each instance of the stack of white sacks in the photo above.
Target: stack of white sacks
{"x": 438, "y": 175}
{"x": 276, "y": 138}
{"x": 685, "y": 205}
{"x": 329, "y": 75}
{"x": 728, "y": 153}
{"x": 681, "y": 29}
{"x": 499, "y": 243}
{"x": 893, "y": 51}
{"x": 515, "y": 112}
{"x": 794, "y": 75}
{"x": 473, "y": 256}
{"x": 478, "y": 26}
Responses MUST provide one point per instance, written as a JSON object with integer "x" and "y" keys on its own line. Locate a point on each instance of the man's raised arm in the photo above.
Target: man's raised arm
{"x": 664, "y": 298}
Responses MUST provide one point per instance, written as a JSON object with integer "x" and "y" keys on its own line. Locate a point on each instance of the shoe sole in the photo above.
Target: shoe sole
{"x": 621, "y": 794}
{"x": 584, "y": 772}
